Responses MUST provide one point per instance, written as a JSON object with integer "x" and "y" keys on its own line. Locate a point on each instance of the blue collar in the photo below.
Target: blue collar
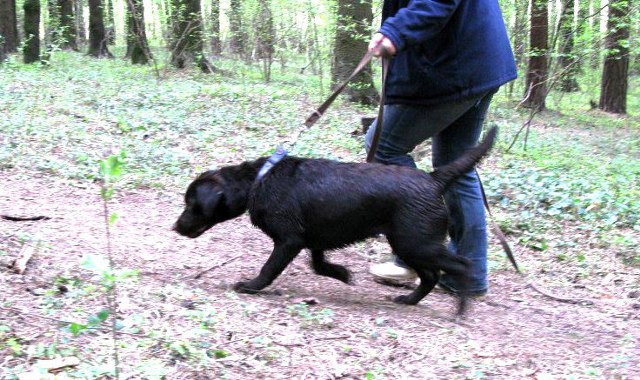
{"x": 276, "y": 157}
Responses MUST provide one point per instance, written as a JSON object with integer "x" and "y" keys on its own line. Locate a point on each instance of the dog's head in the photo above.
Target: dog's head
{"x": 205, "y": 205}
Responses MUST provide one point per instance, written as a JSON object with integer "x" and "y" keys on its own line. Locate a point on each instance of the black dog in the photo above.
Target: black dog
{"x": 323, "y": 205}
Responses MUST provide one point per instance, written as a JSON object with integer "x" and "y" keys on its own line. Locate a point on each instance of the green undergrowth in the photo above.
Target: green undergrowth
{"x": 65, "y": 117}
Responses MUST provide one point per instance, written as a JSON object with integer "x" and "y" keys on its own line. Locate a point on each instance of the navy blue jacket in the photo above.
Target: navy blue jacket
{"x": 447, "y": 50}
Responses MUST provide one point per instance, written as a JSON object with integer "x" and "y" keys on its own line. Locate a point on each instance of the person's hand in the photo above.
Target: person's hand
{"x": 381, "y": 46}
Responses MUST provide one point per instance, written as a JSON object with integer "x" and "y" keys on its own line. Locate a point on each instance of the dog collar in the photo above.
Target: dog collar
{"x": 276, "y": 157}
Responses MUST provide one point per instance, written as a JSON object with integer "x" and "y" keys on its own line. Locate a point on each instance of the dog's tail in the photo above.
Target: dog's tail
{"x": 445, "y": 175}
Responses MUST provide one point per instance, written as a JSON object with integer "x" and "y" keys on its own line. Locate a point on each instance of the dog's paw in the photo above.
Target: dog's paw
{"x": 244, "y": 287}
{"x": 343, "y": 274}
{"x": 405, "y": 300}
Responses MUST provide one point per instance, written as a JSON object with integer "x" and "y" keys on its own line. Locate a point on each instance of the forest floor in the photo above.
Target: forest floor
{"x": 305, "y": 326}
{"x": 573, "y": 314}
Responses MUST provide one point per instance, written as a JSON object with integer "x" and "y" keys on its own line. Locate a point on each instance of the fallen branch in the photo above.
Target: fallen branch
{"x": 217, "y": 266}
{"x": 24, "y": 218}
{"x": 577, "y": 301}
{"x": 20, "y": 264}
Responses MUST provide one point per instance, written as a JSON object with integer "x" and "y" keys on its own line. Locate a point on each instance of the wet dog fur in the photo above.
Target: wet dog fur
{"x": 323, "y": 205}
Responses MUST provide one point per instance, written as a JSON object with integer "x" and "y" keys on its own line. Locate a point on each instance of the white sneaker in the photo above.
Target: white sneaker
{"x": 391, "y": 273}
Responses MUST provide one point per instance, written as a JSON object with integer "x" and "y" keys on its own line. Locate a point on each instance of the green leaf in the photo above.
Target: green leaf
{"x": 112, "y": 218}
{"x": 77, "y": 328}
{"x": 99, "y": 318}
{"x": 218, "y": 354}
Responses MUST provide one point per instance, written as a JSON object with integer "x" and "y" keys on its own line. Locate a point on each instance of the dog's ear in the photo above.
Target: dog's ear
{"x": 209, "y": 198}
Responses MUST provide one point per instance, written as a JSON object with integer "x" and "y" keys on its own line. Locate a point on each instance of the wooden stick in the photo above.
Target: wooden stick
{"x": 218, "y": 265}
{"x": 20, "y": 264}
{"x": 24, "y": 218}
{"x": 579, "y": 301}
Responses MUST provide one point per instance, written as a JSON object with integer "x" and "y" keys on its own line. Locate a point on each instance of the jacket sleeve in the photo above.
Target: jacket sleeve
{"x": 419, "y": 21}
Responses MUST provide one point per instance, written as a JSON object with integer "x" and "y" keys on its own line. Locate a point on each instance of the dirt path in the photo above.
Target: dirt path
{"x": 344, "y": 331}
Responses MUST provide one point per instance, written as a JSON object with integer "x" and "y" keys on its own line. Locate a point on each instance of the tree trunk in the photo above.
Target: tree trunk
{"x": 265, "y": 37}
{"x": 81, "y": 31}
{"x": 238, "y": 37}
{"x": 537, "y": 72}
{"x": 109, "y": 21}
{"x": 137, "y": 45}
{"x": 67, "y": 24}
{"x": 9, "y": 25}
{"x": 97, "y": 34}
{"x": 352, "y": 36}
{"x": 567, "y": 62}
{"x": 519, "y": 32}
{"x": 3, "y": 53}
{"x": 216, "y": 44}
{"x": 187, "y": 42}
{"x": 31, "y": 48}
{"x": 613, "y": 91}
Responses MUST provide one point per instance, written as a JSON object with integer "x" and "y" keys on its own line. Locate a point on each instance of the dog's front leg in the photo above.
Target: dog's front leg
{"x": 325, "y": 268}
{"x": 282, "y": 255}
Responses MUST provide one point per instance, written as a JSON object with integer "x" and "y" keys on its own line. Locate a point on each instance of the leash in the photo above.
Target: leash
{"x": 496, "y": 229}
{"x": 281, "y": 151}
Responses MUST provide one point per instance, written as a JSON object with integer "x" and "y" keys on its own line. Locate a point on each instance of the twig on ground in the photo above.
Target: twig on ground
{"x": 26, "y": 253}
{"x": 577, "y": 301}
{"x": 217, "y": 266}
{"x": 335, "y": 337}
{"x": 24, "y": 218}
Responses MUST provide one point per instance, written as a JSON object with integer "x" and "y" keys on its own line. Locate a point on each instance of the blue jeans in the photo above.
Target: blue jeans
{"x": 454, "y": 128}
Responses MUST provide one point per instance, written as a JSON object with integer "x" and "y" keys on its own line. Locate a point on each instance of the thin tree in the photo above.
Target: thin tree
{"x": 615, "y": 72}
{"x": 81, "y": 33}
{"x": 238, "y": 36}
{"x": 110, "y": 22}
{"x": 97, "y": 34}
{"x": 537, "y": 72}
{"x": 351, "y": 40}
{"x": 9, "y": 25}
{"x": 187, "y": 45}
{"x": 137, "y": 45}
{"x": 216, "y": 44}
{"x": 68, "y": 32}
{"x": 567, "y": 61}
{"x": 3, "y": 53}
{"x": 265, "y": 37}
{"x": 31, "y": 49}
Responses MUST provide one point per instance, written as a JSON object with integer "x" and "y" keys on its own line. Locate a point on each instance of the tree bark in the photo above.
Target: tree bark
{"x": 187, "y": 41}
{"x": 238, "y": 37}
{"x": 31, "y": 50}
{"x": 68, "y": 25}
{"x": 216, "y": 44}
{"x": 537, "y": 72}
{"x": 137, "y": 45}
{"x": 79, "y": 19}
{"x": 9, "y": 25}
{"x": 3, "y": 53}
{"x": 265, "y": 37}
{"x": 615, "y": 72}
{"x": 567, "y": 62}
{"x": 97, "y": 34}
{"x": 351, "y": 40}
{"x": 109, "y": 21}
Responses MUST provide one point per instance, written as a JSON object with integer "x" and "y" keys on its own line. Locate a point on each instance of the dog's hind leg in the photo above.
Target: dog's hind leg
{"x": 325, "y": 268}
{"x": 282, "y": 255}
{"x": 428, "y": 280}
{"x": 458, "y": 267}
{"x": 428, "y": 262}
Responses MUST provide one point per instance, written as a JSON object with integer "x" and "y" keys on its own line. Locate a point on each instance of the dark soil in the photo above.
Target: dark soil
{"x": 304, "y": 326}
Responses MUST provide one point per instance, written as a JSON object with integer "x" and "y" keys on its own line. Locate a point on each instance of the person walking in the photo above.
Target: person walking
{"x": 447, "y": 60}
